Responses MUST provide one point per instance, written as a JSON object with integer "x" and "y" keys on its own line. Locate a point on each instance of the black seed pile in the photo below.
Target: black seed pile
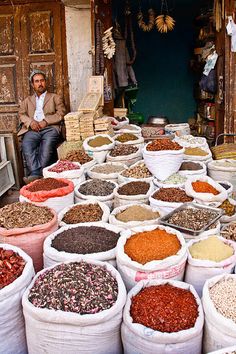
{"x": 97, "y": 187}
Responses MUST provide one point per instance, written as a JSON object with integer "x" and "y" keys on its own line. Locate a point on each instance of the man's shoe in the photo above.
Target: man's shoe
{"x": 30, "y": 179}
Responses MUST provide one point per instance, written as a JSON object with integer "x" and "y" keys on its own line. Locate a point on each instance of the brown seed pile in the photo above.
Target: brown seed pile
{"x": 138, "y": 171}
{"x": 137, "y": 213}
{"x": 83, "y": 213}
{"x": 11, "y": 267}
{"x": 24, "y": 215}
{"x": 191, "y": 166}
{"x": 173, "y": 195}
{"x": 134, "y": 188}
{"x": 123, "y": 150}
{"x": 163, "y": 144}
{"x": 46, "y": 184}
{"x": 77, "y": 287}
{"x": 78, "y": 156}
{"x": 123, "y": 138}
{"x": 99, "y": 141}
{"x": 97, "y": 187}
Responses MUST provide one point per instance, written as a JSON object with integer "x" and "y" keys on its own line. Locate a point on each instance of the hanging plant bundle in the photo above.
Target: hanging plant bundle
{"x": 151, "y": 21}
{"x": 165, "y": 23}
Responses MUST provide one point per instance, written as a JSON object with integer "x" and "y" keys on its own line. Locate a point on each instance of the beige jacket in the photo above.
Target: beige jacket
{"x": 53, "y": 108}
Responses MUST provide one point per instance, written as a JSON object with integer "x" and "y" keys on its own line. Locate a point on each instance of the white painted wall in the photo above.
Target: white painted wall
{"x": 78, "y": 38}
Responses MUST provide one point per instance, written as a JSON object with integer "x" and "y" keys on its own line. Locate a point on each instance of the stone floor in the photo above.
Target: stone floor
{"x": 9, "y": 197}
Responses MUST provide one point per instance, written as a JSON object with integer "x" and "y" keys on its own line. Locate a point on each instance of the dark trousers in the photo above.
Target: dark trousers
{"x": 39, "y": 149}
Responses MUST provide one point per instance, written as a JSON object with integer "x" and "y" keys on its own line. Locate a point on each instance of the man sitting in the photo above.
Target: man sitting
{"x": 40, "y": 116}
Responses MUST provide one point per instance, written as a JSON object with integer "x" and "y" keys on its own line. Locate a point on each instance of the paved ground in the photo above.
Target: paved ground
{"x": 9, "y": 197}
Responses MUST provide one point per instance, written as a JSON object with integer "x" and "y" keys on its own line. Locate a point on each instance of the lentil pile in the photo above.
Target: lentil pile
{"x": 78, "y": 156}
{"x": 204, "y": 187}
{"x": 191, "y": 166}
{"x": 176, "y": 178}
{"x": 46, "y": 184}
{"x": 229, "y": 232}
{"x": 134, "y": 188}
{"x": 223, "y": 296}
{"x": 123, "y": 150}
{"x": 77, "y": 287}
{"x": 99, "y": 141}
{"x": 64, "y": 165}
{"x": 147, "y": 246}
{"x": 138, "y": 171}
{"x": 163, "y": 144}
{"x": 164, "y": 308}
{"x": 211, "y": 249}
{"x": 195, "y": 151}
{"x": 174, "y": 195}
{"x": 11, "y": 267}
{"x": 83, "y": 213}
{"x": 194, "y": 219}
{"x": 123, "y": 138}
{"x": 228, "y": 207}
{"x": 137, "y": 213}
{"x": 97, "y": 187}
{"x": 107, "y": 169}
{"x": 24, "y": 215}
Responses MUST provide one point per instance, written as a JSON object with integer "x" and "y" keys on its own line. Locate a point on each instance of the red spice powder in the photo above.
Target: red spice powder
{"x": 204, "y": 187}
{"x": 46, "y": 184}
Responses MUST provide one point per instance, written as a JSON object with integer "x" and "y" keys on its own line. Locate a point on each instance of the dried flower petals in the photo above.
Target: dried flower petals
{"x": 64, "y": 165}
{"x": 11, "y": 267}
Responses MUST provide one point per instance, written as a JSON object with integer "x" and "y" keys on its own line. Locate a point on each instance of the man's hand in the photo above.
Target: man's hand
{"x": 43, "y": 124}
{"x": 35, "y": 126}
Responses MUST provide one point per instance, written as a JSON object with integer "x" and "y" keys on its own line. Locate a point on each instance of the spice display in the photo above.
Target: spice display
{"x": 164, "y": 308}
{"x": 24, "y": 215}
{"x": 172, "y": 195}
{"x": 134, "y": 188}
{"x": 191, "y": 218}
{"x": 11, "y": 267}
{"x": 85, "y": 240}
{"x": 138, "y": 171}
{"x": 99, "y": 141}
{"x": 129, "y": 127}
{"x": 83, "y": 213}
{"x": 153, "y": 245}
{"x": 123, "y": 138}
{"x": 78, "y": 156}
{"x": 195, "y": 151}
{"x": 222, "y": 295}
{"x": 163, "y": 144}
{"x": 191, "y": 139}
{"x": 228, "y": 207}
{"x": 137, "y": 213}
{"x": 64, "y": 165}
{"x": 191, "y": 166}
{"x": 108, "y": 169}
{"x": 77, "y": 287}
{"x": 211, "y": 249}
{"x": 225, "y": 186}
{"x": 176, "y": 178}
{"x": 97, "y": 187}
{"x": 46, "y": 184}
{"x": 204, "y": 187}
{"x": 123, "y": 150}
{"x": 229, "y": 232}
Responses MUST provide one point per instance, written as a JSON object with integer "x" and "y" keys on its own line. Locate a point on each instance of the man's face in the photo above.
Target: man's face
{"x": 39, "y": 84}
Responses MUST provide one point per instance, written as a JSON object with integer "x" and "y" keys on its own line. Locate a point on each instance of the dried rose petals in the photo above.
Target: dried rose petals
{"x": 11, "y": 267}
{"x": 64, "y": 165}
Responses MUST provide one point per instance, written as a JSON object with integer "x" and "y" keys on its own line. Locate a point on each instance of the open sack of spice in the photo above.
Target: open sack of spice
{"x": 55, "y": 193}
{"x": 163, "y": 157}
{"x": 119, "y": 122}
{"x": 229, "y": 208}
{"x": 162, "y": 316}
{"x": 72, "y": 171}
{"x": 126, "y": 154}
{"x": 130, "y": 129}
{"x": 84, "y": 212}
{"x": 222, "y": 170}
{"x": 220, "y": 312}
{"x": 192, "y": 169}
{"x": 132, "y": 192}
{"x": 16, "y": 273}
{"x": 92, "y": 241}
{"x": 228, "y": 350}
{"x": 208, "y": 257}
{"x": 137, "y": 171}
{"x": 85, "y": 310}
{"x": 202, "y": 154}
{"x": 26, "y": 225}
{"x": 129, "y": 139}
{"x": 107, "y": 171}
{"x": 191, "y": 141}
{"x": 81, "y": 157}
{"x": 173, "y": 181}
{"x": 150, "y": 252}
{"x": 206, "y": 191}
{"x": 98, "y": 146}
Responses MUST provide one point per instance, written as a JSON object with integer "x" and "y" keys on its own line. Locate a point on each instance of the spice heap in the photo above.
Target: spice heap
{"x": 225, "y": 186}
{"x": 11, "y": 267}
{"x": 173, "y": 195}
{"x": 97, "y": 187}
{"x": 129, "y": 127}
{"x": 123, "y": 150}
{"x": 78, "y": 156}
{"x": 137, "y": 213}
{"x": 211, "y": 249}
{"x": 138, "y": 171}
{"x": 77, "y": 287}
{"x": 46, "y": 184}
{"x": 191, "y": 139}
{"x": 191, "y": 166}
{"x": 148, "y": 246}
{"x": 134, "y": 188}
{"x": 99, "y": 141}
{"x": 83, "y": 213}
{"x": 163, "y": 144}
{"x": 108, "y": 169}
{"x": 191, "y": 218}
{"x": 164, "y": 308}
{"x": 85, "y": 240}
{"x": 204, "y": 187}
{"x": 195, "y": 151}
{"x": 229, "y": 232}
{"x": 64, "y": 165}
{"x": 228, "y": 207}
{"x": 222, "y": 295}
{"x": 18, "y": 215}
{"x": 176, "y": 178}
{"x": 123, "y": 138}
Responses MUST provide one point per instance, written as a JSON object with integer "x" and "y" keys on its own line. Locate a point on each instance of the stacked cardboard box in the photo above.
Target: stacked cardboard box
{"x": 72, "y": 120}
{"x": 86, "y": 124}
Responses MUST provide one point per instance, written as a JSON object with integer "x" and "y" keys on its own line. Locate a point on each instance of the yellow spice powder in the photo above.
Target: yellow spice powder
{"x": 195, "y": 151}
{"x": 211, "y": 249}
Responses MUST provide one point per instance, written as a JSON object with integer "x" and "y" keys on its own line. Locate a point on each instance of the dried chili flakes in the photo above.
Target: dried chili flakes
{"x": 164, "y": 308}
{"x": 11, "y": 267}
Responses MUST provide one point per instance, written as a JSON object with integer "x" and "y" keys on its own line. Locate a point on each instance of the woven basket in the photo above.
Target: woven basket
{"x": 224, "y": 151}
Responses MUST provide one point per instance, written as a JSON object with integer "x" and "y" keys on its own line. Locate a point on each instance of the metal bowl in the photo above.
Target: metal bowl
{"x": 158, "y": 120}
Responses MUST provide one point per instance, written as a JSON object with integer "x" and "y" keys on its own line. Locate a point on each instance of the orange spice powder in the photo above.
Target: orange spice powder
{"x": 153, "y": 245}
{"x": 204, "y": 187}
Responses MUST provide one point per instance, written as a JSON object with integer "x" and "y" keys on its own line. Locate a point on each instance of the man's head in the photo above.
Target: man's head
{"x": 38, "y": 81}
